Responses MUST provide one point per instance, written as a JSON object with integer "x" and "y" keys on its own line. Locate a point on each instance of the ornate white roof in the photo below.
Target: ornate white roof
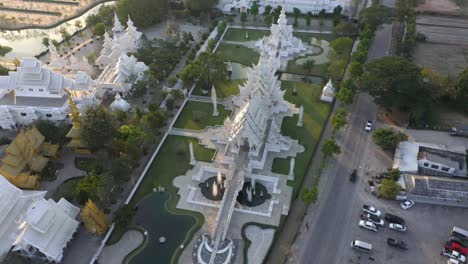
{"x": 28, "y": 219}
{"x": 117, "y": 28}
{"x": 120, "y": 104}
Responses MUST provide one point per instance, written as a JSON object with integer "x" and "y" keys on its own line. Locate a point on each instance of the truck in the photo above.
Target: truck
{"x": 461, "y": 131}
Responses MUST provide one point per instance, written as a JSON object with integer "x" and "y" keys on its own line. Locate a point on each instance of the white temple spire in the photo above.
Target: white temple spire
{"x": 117, "y": 28}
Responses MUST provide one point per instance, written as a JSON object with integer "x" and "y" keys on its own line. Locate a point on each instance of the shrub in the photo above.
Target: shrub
{"x": 388, "y": 138}
{"x": 389, "y": 189}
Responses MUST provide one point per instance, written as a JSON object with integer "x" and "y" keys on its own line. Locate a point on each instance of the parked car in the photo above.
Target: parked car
{"x": 452, "y": 261}
{"x": 454, "y": 246}
{"x": 353, "y": 176}
{"x": 397, "y": 227}
{"x": 394, "y": 219}
{"x": 368, "y": 225}
{"x": 458, "y": 241}
{"x": 406, "y": 204}
{"x": 372, "y": 218}
{"x": 397, "y": 243}
{"x": 454, "y": 255}
{"x": 368, "y": 126}
{"x": 371, "y": 210}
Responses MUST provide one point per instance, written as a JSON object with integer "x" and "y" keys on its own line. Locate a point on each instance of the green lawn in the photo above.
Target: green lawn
{"x": 315, "y": 116}
{"x": 238, "y": 34}
{"x": 224, "y": 89}
{"x": 317, "y": 70}
{"x": 238, "y": 53}
{"x": 198, "y": 115}
{"x": 172, "y": 161}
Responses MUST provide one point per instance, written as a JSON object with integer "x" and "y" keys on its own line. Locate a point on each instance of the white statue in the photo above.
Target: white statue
{"x": 252, "y": 183}
{"x": 214, "y": 99}
{"x": 219, "y": 178}
{"x": 291, "y": 167}
{"x": 249, "y": 195}
{"x": 301, "y": 116}
{"x": 192, "y": 156}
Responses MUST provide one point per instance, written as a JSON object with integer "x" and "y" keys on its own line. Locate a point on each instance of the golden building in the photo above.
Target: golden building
{"x": 94, "y": 219}
{"x": 77, "y": 146}
{"x": 25, "y": 156}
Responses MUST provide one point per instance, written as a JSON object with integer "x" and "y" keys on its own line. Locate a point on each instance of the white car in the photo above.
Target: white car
{"x": 397, "y": 227}
{"x": 406, "y": 204}
{"x": 368, "y": 225}
{"x": 452, "y": 261}
{"x": 371, "y": 210}
{"x": 368, "y": 126}
{"x": 454, "y": 255}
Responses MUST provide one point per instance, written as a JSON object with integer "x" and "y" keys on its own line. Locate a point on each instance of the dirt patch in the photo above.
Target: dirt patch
{"x": 439, "y": 6}
{"x": 443, "y": 58}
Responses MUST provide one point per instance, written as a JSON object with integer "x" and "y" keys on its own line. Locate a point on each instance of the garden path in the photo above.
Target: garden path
{"x": 116, "y": 253}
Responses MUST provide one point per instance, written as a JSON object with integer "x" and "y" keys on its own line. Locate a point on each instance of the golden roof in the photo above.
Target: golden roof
{"x": 94, "y": 219}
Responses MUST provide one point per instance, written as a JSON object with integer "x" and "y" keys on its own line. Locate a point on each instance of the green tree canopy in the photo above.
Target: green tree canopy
{"x": 3, "y": 70}
{"x": 389, "y": 189}
{"x": 254, "y": 10}
{"x": 197, "y": 6}
{"x": 341, "y": 45}
{"x": 53, "y": 132}
{"x": 99, "y": 29}
{"x": 268, "y": 9}
{"x": 394, "y": 82}
{"x": 461, "y": 90}
{"x": 338, "y": 120}
{"x": 98, "y": 128}
{"x": 309, "y": 195}
{"x": 387, "y": 138}
{"x": 330, "y": 148}
{"x": 143, "y": 12}
{"x": 347, "y": 92}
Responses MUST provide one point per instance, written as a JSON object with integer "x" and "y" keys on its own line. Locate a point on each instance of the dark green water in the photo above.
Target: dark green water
{"x": 153, "y": 216}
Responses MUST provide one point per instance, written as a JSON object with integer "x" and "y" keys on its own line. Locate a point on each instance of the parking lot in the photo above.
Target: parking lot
{"x": 428, "y": 227}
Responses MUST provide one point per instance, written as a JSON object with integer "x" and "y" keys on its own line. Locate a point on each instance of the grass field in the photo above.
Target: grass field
{"x": 224, "y": 89}
{"x": 315, "y": 116}
{"x": 238, "y": 34}
{"x": 198, "y": 115}
{"x": 238, "y": 53}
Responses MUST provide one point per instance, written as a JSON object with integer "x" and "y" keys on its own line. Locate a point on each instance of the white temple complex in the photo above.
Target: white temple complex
{"x": 328, "y": 92}
{"x": 119, "y": 70}
{"x": 281, "y": 40}
{"x": 35, "y": 92}
{"x": 32, "y": 226}
{"x": 314, "y": 6}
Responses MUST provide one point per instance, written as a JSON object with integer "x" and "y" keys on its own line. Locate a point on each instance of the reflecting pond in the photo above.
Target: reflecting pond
{"x": 153, "y": 216}
{"x": 28, "y": 42}
{"x": 239, "y": 71}
{"x": 300, "y": 78}
{"x": 320, "y": 58}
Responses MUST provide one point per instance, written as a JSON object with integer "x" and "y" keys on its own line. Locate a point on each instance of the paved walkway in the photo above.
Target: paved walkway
{"x": 69, "y": 171}
{"x": 116, "y": 253}
{"x": 261, "y": 240}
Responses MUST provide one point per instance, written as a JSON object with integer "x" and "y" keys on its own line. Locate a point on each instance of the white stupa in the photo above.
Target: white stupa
{"x": 120, "y": 104}
{"x": 328, "y": 92}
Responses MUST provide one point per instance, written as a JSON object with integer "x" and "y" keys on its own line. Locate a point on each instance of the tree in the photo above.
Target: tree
{"x": 309, "y": 195}
{"x": 355, "y": 69}
{"x": 337, "y": 14}
{"x": 394, "y": 174}
{"x": 65, "y": 35}
{"x": 198, "y": 6}
{"x": 99, "y": 29}
{"x": 322, "y": 13}
{"x": 330, "y": 148}
{"x": 120, "y": 169}
{"x": 243, "y": 18}
{"x": 374, "y": 16}
{"x": 144, "y": 12}
{"x": 387, "y": 138}
{"x": 296, "y": 13}
{"x": 3, "y": 70}
{"x": 78, "y": 26}
{"x": 124, "y": 216}
{"x": 394, "y": 82}
{"x": 209, "y": 67}
{"x": 438, "y": 85}
{"x": 309, "y": 18}
{"x": 53, "y": 132}
{"x": 308, "y": 65}
{"x": 254, "y": 10}
{"x": 87, "y": 188}
{"x": 389, "y": 189}
{"x": 276, "y": 13}
{"x": 98, "y": 128}
{"x": 347, "y": 92}
{"x": 338, "y": 120}
{"x": 341, "y": 45}
{"x": 345, "y": 27}
{"x": 461, "y": 90}
{"x": 45, "y": 41}
{"x": 268, "y": 20}
{"x": 267, "y": 11}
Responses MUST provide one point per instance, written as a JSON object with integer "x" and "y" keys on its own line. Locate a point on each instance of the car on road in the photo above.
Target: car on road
{"x": 368, "y": 225}
{"x": 353, "y": 176}
{"x": 397, "y": 227}
{"x": 454, "y": 246}
{"x": 372, "y": 218}
{"x": 394, "y": 219}
{"x": 454, "y": 255}
{"x": 407, "y": 204}
{"x": 368, "y": 126}
{"x": 397, "y": 243}
{"x": 371, "y": 210}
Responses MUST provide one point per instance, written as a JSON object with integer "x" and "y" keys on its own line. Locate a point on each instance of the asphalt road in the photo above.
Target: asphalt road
{"x": 339, "y": 200}
{"x": 328, "y": 224}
